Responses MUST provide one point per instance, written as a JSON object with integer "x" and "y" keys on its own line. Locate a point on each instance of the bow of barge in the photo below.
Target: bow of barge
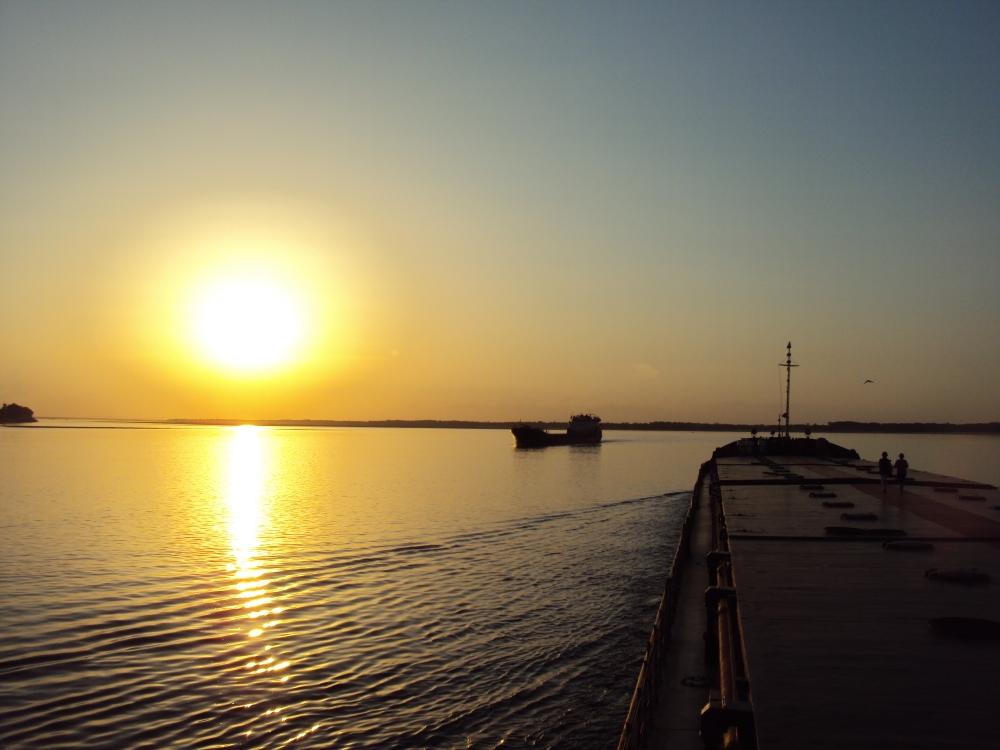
{"x": 808, "y": 607}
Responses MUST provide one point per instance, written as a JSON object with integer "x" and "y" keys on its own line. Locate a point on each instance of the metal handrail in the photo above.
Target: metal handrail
{"x": 727, "y": 719}
{"x": 640, "y": 711}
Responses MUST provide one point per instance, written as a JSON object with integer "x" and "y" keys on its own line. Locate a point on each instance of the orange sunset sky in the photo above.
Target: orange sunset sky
{"x": 500, "y": 211}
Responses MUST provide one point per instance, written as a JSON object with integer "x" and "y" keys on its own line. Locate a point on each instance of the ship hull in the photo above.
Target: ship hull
{"x": 532, "y": 437}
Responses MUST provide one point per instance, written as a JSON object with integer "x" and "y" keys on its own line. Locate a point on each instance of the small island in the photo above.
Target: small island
{"x": 15, "y": 413}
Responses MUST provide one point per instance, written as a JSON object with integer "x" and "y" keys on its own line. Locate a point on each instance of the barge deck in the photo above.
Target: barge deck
{"x": 794, "y": 616}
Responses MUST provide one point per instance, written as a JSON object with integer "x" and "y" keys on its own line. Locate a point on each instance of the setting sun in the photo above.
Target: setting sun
{"x": 248, "y": 324}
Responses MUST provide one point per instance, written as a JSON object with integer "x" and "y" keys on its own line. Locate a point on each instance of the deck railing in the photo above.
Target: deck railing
{"x": 727, "y": 719}
{"x": 640, "y": 711}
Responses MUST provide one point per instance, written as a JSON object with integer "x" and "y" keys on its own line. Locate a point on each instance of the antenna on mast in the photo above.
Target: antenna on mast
{"x": 787, "y": 364}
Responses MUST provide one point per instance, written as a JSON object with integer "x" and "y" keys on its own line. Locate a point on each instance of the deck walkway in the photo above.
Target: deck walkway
{"x": 682, "y": 691}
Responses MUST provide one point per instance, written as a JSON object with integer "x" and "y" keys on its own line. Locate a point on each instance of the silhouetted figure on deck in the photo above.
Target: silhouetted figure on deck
{"x": 884, "y": 470}
{"x": 901, "y": 467}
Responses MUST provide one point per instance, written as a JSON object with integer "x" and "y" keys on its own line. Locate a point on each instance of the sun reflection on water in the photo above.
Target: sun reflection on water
{"x": 248, "y": 474}
{"x": 244, "y": 496}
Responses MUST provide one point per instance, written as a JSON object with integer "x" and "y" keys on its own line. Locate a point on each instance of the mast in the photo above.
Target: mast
{"x": 787, "y": 364}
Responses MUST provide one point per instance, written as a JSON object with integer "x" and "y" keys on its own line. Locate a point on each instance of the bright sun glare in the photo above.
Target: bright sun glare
{"x": 248, "y": 324}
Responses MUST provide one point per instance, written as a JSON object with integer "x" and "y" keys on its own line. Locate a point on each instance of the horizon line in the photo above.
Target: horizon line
{"x": 652, "y": 425}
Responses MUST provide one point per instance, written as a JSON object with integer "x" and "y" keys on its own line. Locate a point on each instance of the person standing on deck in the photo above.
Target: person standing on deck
{"x": 901, "y": 467}
{"x": 884, "y": 470}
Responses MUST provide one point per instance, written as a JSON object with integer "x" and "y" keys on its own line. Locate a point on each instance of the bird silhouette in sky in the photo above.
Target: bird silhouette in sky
{"x": 868, "y": 381}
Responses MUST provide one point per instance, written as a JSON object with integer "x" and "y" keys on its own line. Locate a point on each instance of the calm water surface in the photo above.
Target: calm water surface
{"x": 247, "y": 587}
{"x": 253, "y": 587}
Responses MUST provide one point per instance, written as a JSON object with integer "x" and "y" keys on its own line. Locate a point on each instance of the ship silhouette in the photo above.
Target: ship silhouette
{"x": 583, "y": 429}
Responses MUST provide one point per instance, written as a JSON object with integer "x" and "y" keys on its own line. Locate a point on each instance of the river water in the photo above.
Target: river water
{"x": 391, "y": 588}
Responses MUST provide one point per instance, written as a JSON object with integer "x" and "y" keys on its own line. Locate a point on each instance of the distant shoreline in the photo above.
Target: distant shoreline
{"x": 895, "y": 428}
{"x": 982, "y": 428}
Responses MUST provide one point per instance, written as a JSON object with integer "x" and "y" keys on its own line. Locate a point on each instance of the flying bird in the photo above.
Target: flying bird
{"x": 868, "y": 381}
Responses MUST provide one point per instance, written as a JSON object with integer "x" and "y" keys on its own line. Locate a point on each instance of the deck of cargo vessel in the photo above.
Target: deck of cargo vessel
{"x": 781, "y": 629}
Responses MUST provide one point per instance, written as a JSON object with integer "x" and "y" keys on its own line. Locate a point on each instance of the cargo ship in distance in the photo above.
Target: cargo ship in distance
{"x": 583, "y": 429}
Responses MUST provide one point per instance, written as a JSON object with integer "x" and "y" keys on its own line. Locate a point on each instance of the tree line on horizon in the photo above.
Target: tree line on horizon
{"x": 15, "y": 414}
{"x": 839, "y": 426}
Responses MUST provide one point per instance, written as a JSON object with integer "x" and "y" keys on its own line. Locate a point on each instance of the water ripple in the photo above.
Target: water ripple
{"x": 513, "y": 635}
{"x": 517, "y": 632}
